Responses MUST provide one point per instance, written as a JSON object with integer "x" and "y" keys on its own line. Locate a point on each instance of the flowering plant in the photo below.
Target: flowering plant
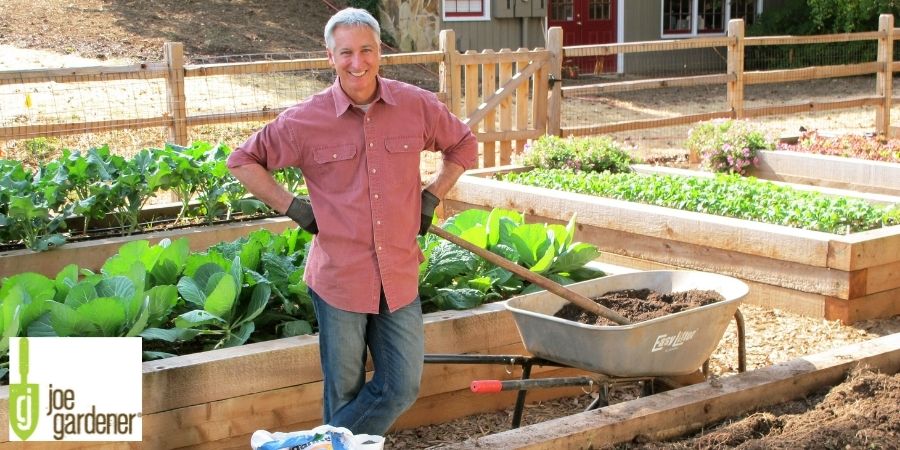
{"x": 728, "y": 145}
{"x": 873, "y": 148}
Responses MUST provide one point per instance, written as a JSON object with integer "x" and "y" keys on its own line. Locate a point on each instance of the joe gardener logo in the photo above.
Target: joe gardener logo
{"x": 76, "y": 389}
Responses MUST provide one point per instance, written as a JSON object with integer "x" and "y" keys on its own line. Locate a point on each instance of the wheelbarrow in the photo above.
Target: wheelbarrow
{"x": 673, "y": 345}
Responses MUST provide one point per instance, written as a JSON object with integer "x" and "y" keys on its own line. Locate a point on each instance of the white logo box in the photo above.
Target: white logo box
{"x": 87, "y": 389}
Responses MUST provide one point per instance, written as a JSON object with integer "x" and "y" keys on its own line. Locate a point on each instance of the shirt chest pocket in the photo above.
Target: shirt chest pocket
{"x": 404, "y": 145}
{"x": 403, "y": 160}
{"x": 336, "y": 166}
{"x": 334, "y": 154}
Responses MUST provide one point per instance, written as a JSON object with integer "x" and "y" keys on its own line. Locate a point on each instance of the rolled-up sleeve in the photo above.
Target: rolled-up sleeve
{"x": 453, "y": 138}
{"x": 271, "y": 147}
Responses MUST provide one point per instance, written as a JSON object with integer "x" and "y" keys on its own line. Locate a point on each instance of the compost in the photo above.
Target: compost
{"x": 639, "y": 305}
{"x": 861, "y": 413}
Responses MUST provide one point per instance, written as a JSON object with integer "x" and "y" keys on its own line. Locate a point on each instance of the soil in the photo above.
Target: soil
{"x": 56, "y": 33}
{"x": 136, "y": 30}
{"x": 861, "y": 413}
{"x": 639, "y": 305}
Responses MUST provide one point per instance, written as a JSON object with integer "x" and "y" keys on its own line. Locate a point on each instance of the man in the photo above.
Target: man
{"x": 358, "y": 144}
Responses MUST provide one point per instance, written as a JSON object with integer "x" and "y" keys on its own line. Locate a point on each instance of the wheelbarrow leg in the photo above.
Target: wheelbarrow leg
{"x": 602, "y": 398}
{"x": 741, "y": 335}
{"x": 520, "y": 397}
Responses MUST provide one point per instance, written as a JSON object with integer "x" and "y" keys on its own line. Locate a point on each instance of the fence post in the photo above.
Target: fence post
{"x": 174, "y": 56}
{"x": 735, "y": 90}
{"x": 449, "y": 72}
{"x": 885, "y": 77}
{"x": 554, "y": 99}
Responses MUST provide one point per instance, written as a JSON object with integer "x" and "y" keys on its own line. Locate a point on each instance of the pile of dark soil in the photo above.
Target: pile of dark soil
{"x": 861, "y": 413}
{"x": 639, "y": 305}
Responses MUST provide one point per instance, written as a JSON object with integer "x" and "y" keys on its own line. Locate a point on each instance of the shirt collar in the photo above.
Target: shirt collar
{"x": 342, "y": 102}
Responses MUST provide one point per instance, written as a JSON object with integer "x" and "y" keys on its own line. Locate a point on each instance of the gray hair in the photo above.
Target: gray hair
{"x": 350, "y": 17}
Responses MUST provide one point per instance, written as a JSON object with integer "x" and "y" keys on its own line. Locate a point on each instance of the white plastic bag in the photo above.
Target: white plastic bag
{"x": 324, "y": 437}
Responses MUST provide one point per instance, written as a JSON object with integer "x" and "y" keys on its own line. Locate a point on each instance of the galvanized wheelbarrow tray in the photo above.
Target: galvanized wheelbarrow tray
{"x": 676, "y": 344}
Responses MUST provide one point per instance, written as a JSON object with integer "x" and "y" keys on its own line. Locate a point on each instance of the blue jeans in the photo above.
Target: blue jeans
{"x": 397, "y": 344}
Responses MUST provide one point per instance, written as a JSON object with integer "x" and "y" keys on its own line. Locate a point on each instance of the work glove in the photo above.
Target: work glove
{"x": 429, "y": 202}
{"x": 301, "y": 212}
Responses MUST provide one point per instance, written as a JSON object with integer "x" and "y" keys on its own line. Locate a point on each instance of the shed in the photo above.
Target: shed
{"x": 497, "y": 24}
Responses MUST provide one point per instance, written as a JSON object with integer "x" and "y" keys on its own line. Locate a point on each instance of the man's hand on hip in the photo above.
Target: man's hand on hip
{"x": 429, "y": 203}
{"x": 301, "y": 212}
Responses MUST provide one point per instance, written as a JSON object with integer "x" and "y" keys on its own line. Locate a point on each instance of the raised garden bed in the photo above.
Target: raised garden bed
{"x": 91, "y": 254}
{"x": 846, "y": 277}
{"x": 829, "y": 171}
{"x": 216, "y": 399}
{"x": 692, "y": 408}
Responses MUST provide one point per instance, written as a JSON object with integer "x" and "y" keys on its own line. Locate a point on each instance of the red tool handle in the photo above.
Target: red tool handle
{"x": 486, "y": 386}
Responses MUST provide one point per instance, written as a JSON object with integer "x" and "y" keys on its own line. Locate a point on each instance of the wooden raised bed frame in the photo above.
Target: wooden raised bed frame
{"x": 216, "y": 399}
{"x": 847, "y": 278}
{"x": 93, "y": 253}
{"x": 829, "y": 171}
{"x": 682, "y": 411}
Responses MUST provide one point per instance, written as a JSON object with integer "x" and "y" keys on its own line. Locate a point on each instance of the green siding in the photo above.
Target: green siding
{"x": 497, "y": 34}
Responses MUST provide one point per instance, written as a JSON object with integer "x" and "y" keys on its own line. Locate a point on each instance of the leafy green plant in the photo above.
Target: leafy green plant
{"x": 136, "y": 180}
{"x": 277, "y": 259}
{"x": 454, "y": 278}
{"x": 593, "y": 154}
{"x": 33, "y": 208}
{"x": 725, "y": 195}
{"x": 200, "y": 173}
{"x": 213, "y": 292}
{"x": 87, "y": 180}
{"x": 729, "y": 146}
{"x": 252, "y": 289}
{"x": 185, "y": 173}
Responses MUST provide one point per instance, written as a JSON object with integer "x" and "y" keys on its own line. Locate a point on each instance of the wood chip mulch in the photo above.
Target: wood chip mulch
{"x": 772, "y": 336}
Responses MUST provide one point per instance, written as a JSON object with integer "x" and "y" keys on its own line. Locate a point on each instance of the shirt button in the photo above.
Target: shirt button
{"x": 377, "y": 222}
{"x": 368, "y": 119}
{"x": 334, "y": 156}
{"x": 371, "y": 144}
{"x": 373, "y": 170}
{"x": 405, "y": 146}
{"x": 376, "y": 196}
{"x": 379, "y": 248}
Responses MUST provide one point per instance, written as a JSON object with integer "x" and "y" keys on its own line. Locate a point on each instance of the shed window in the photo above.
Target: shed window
{"x": 693, "y": 17}
{"x": 561, "y": 10}
{"x": 599, "y": 9}
{"x": 464, "y": 8}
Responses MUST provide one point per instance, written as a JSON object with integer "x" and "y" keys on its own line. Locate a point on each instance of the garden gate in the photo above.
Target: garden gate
{"x": 503, "y": 96}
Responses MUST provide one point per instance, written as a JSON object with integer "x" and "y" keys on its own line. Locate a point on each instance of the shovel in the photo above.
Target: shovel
{"x": 23, "y": 398}
{"x": 546, "y": 283}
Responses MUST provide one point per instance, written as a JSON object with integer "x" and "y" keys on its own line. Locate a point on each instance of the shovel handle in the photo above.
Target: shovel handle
{"x": 533, "y": 277}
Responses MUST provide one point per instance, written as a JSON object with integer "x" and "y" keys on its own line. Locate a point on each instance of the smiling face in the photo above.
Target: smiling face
{"x": 356, "y": 57}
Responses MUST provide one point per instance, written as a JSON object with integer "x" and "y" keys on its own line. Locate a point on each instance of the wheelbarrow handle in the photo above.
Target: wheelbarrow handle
{"x": 533, "y": 277}
{"x": 494, "y": 386}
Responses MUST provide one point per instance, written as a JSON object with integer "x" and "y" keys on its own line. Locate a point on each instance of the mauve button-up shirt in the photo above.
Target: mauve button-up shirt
{"x": 362, "y": 172}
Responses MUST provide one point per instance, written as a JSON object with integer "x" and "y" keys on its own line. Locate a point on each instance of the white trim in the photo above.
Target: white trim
{"x": 467, "y": 19}
{"x": 485, "y": 16}
{"x": 620, "y": 34}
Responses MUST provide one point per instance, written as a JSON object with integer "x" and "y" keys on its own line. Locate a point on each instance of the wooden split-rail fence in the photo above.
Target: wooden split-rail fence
{"x": 507, "y": 97}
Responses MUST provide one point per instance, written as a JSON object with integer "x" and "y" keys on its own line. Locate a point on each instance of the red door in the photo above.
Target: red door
{"x": 585, "y": 22}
